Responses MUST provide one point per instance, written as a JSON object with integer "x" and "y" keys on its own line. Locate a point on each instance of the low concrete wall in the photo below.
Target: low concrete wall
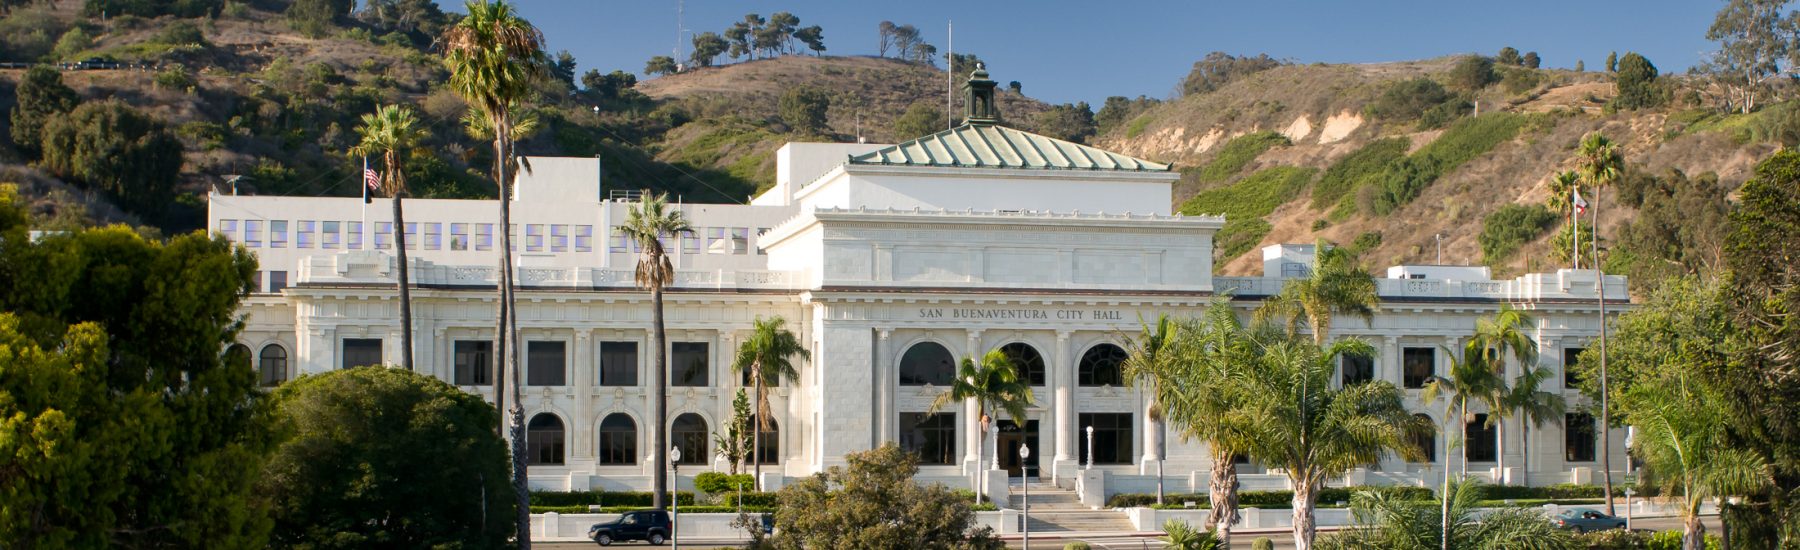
{"x": 573, "y": 527}
{"x": 1150, "y": 519}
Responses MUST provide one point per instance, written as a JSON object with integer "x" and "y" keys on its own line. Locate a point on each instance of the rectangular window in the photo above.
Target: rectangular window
{"x": 546, "y": 363}
{"x": 618, "y": 242}
{"x": 1358, "y": 370}
{"x": 354, "y": 236}
{"x": 716, "y": 242}
{"x": 559, "y": 238}
{"x": 1480, "y": 438}
{"x": 277, "y": 281}
{"x": 361, "y": 352}
{"x": 687, "y": 364}
{"x": 690, "y": 243}
{"x": 384, "y": 235}
{"x": 484, "y": 236}
{"x": 278, "y": 234}
{"x": 618, "y": 364}
{"x": 474, "y": 362}
{"x": 1578, "y": 437}
{"x": 534, "y": 237}
{"x": 303, "y": 233}
{"x": 459, "y": 236}
{"x": 253, "y": 233}
{"x": 256, "y": 282}
{"x": 1571, "y": 363}
{"x": 228, "y": 228}
{"x": 434, "y": 236}
{"x": 328, "y": 234}
{"x": 412, "y": 235}
{"x": 584, "y": 238}
{"x": 1112, "y": 437}
{"x": 1418, "y": 364}
{"x": 740, "y": 240}
{"x": 930, "y": 436}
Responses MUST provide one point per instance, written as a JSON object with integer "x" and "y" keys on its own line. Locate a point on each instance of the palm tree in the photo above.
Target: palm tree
{"x": 647, "y": 223}
{"x": 1298, "y": 422}
{"x": 993, "y": 385}
{"x": 1501, "y": 335}
{"x": 494, "y": 58}
{"x": 1533, "y": 406}
{"x": 765, "y": 357}
{"x": 1388, "y": 521}
{"x": 387, "y": 132}
{"x": 1179, "y": 535}
{"x": 1601, "y": 164}
{"x": 1147, "y": 354}
{"x": 1681, "y": 437}
{"x": 1334, "y": 285}
{"x": 1190, "y": 387}
{"x": 1471, "y": 379}
{"x": 1562, "y": 194}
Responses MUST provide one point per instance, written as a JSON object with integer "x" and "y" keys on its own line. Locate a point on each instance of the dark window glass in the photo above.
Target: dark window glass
{"x": 618, "y": 364}
{"x": 687, "y": 364}
{"x": 474, "y": 362}
{"x": 277, "y": 281}
{"x": 1479, "y": 438}
{"x": 1419, "y": 364}
{"x": 1427, "y": 440}
{"x": 1100, "y": 366}
{"x": 546, "y": 363}
{"x": 1570, "y": 360}
{"x": 768, "y": 450}
{"x": 927, "y": 363}
{"x": 273, "y": 365}
{"x": 1112, "y": 437}
{"x": 618, "y": 439}
{"x": 1029, "y": 364}
{"x": 1578, "y": 438}
{"x": 544, "y": 440}
{"x": 931, "y": 436}
{"x": 689, "y": 433}
{"x": 361, "y": 352}
{"x": 1358, "y": 370}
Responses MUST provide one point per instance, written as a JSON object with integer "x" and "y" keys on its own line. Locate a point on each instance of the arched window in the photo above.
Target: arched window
{"x": 237, "y": 352}
{"x": 544, "y": 440}
{"x": 618, "y": 439}
{"x": 273, "y": 365}
{"x": 1427, "y": 440}
{"x": 927, "y": 363}
{"x": 689, "y": 433}
{"x": 768, "y": 450}
{"x": 1027, "y": 360}
{"x": 1101, "y": 365}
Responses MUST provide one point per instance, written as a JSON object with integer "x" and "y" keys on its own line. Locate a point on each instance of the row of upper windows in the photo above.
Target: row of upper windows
{"x": 547, "y": 361}
{"x": 462, "y": 236}
{"x": 1419, "y": 364}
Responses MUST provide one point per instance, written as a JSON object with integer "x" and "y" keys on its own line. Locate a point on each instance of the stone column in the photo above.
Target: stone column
{"x": 972, "y": 450}
{"x": 439, "y": 361}
{"x": 1065, "y": 407}
{"x": 885, "y": 380}
{"x": 582, "y": 378}
{"x": 1151, "y": 439}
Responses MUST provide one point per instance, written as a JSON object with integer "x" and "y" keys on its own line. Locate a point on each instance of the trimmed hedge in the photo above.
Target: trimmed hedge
{"x": 1264, "y": 499}
{"x": 685, "y": 509}
{"x": 1558, "y": 491}
{"x": 638, "y": 499}
{"x": 717, "y": 483}
{"x": 769, "y": 500}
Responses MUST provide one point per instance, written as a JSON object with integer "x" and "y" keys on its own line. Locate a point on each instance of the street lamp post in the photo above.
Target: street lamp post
{"x": 675, "y": 495}
{"x": 1090, "y": 453}
{"x": 1025, "y": 482}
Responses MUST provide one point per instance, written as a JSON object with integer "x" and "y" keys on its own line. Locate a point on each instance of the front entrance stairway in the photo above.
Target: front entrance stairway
{"x": 1058, "y": 510}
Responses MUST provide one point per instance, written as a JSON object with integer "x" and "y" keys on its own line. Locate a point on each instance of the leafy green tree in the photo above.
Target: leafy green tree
{"x": 610, "y": 86}
{"x": 962, "y": 64}
{"x": 389, "y": 133}
{"x": 647, "y": 224}
{"x": 316, "y": 18}
{"x": 1637, "y": 84}
{"x": 777, "y": 35}
{"x": 1118, "y": 110}
{"x": 1510, "y": 227}
{"x": 114, "y": 148}
{"x": 660, "y": 65}
{"x": 71, "y": 43}
{"x": 1334, "y": 284}
{"x": 1388, "y": 521}
{"x": 804, "y": 108}
{"x": 1682, "y": 440}
{"x": 921, "y": 119}
{"x": 429, "y": 471}
{"x": 873, "y": 502}
{"x": 1472, "y": 73}
{"x": 141, "y": 429}
{"x": 1612, "y": 61}
{"x": 1408, "y": 99}
{"x": 1219, "y": 68}
{"x": 495, "y": 59}
{"x": 994, "y": 386}
{"x": 1680, "y": 228}
{"x": 151, "y": 8}
{"x": 1531, "y": 60}
{"x": 1297, "y": 422}
{"x": 562, "y": 68}
{"x": 738, "y": 34}
{"x": 1192, "y": 385}
{"x": 1509, "y": 56}
{"x": 766, "y": 358}
{"x": 813, "y": 37}
{"x": 1756, "y": 43}
{"x": 1067, "y": 122}
{"x": 707, "y": 47}
{"x": 41, "y": 97}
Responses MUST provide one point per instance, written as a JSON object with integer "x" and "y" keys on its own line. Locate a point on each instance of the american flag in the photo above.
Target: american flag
{"x": 372, "y": 179}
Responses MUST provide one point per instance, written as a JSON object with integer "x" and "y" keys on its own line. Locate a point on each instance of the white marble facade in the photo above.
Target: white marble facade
{"x": 868, "y": 264}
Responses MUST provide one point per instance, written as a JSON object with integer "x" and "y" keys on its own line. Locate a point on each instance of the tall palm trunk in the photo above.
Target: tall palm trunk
{"x": 762, "y": 410}
{"x": 1499, "y": 449}
{"x": 1223, "y": 494}
{"x": 1305, "y": 528}
{"x": 1605, "y": 405}
{"x": 1444, "y": 495}
{"x": 659, "y": 439}
{"x": 1693, "y": 533}
{"x": 507, "y": 348}
{"x": 406, "y": 324}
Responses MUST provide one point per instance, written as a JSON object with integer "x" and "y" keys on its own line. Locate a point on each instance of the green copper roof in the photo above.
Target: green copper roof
{"x": 991, "y": 146}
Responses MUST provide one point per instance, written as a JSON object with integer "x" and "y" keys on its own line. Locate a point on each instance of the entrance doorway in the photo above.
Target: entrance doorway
{"x": 1009, "y": 438}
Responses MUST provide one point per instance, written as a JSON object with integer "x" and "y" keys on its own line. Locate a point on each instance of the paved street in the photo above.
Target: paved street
{"x": 1239, "y": 539}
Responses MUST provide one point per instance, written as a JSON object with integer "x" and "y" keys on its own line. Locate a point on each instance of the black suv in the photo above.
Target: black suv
{"x": 647, "y": 525}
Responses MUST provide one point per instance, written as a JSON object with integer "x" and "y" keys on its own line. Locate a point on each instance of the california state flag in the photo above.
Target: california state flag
{"x": 1580, "y": 205}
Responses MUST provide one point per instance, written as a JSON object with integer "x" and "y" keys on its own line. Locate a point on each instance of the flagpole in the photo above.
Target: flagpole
{"x": 1575, "y": 251}
{"x": 364, "y": 182}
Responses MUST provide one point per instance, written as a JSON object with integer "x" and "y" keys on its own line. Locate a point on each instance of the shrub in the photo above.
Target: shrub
{"x": 1137, "y": 126}
{"x": 638, "y": 499}
{"x": 1671, "y": 540}
{"x": 1237, "y": 153}
{"x": 1510, "y": 227}
{"x": 1465, "y": 140}
{"x": 175, "y": 77}
{"x": 1442, "y": 114}
{"x": 1077, "y": 545}
{"x": 1219, "y": 68}
{"x": 1407, "y": 99}
{"x": 1518, "y": 81}
{"x": 1262, "y": 543}
{"x": 685, "y": 509}
{"x": 718, "y": 483}
{"x": 72, "y": 43}
{"x": 181, "y": 34}
{"x": 112, "y": 147}
{"x": 1365, "y": 242}
{"x": 1357, "y": 168}
{"x": 754, "y": 500}
{"x": 1244, "y": 205}
{"x": 803, "y": 109}
{"x": 1637, "y": 84}
{"x": 1473, "y": 73}
{"x": 1557, "y": 491}
{"x": 1613, "y": 539}
{"x": 149, "y": 8}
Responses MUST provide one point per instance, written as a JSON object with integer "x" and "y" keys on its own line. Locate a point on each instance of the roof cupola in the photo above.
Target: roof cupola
{"x": 979, "y": 105}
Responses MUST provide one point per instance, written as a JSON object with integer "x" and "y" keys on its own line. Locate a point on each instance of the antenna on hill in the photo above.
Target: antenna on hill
{"x": 680, "y": 10}
{"x": 950, "y": 76}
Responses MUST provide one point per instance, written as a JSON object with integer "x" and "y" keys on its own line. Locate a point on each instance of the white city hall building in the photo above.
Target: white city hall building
{"x": 891, "y": 263}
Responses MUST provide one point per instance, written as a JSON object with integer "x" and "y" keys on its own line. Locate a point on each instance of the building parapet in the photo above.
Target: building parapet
{"x": 362, "y": 268}
{"x": 1564, "y": 285}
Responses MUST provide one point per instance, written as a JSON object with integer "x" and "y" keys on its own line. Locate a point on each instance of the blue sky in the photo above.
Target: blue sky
{"x": 1066, "y": 51}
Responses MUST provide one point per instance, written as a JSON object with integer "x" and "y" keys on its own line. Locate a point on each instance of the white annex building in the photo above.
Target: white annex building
{"x": 892, "y": 263}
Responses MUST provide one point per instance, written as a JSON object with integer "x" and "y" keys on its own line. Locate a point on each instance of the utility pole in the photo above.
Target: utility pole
{"x": 1440, "y": 247}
